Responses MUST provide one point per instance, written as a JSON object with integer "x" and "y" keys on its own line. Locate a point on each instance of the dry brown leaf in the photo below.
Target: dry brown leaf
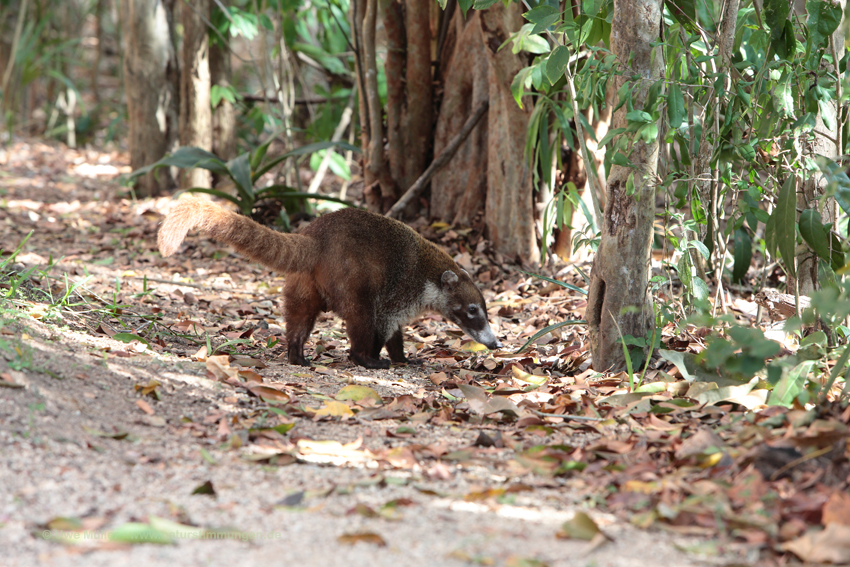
{"x": 830, "y": 545}
{"x": 145, "y": 407}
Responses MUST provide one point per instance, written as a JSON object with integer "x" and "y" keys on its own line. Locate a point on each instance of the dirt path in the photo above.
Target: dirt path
{"x": 105, "y": 437}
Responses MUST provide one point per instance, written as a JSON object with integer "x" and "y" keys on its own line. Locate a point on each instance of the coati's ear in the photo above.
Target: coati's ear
{"x": 464, "y": 271}
{"x": 449, "y": 278}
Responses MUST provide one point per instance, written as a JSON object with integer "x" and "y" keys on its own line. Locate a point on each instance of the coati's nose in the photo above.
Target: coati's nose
{"x": 498, "y": 344}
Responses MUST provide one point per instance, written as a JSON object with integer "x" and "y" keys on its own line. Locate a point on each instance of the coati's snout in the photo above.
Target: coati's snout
{"x": 467, "y": 309}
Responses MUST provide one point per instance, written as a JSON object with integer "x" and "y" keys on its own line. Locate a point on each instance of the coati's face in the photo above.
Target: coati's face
{"x": 464, "y": 305}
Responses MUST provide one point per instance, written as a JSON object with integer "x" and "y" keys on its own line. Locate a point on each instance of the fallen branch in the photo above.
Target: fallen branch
{"x": 441, "y": 160}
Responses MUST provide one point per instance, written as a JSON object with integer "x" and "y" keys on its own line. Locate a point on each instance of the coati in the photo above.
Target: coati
{"x": 376, "y": 273}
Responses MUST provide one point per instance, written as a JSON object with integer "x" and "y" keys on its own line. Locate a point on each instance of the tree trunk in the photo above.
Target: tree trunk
{"x": 618, "y": 300}
{"x": 492, "y": 169}
{"x": 824, "y": 144}
{"x": 224, "y": 115}
{"x": 150, "y": 67}
{"x": 195, "y": 110}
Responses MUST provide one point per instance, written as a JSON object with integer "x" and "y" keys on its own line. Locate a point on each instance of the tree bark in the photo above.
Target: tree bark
{"x": 150, "y": 69}
{"x": 487, "y": 169}
{"x": 224, "y": 115}
{"x": 195, "y": 110}
{"x": 618, "y": 299}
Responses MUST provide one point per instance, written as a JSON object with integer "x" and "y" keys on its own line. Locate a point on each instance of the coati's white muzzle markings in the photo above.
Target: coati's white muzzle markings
{"x": 376, "y": 273}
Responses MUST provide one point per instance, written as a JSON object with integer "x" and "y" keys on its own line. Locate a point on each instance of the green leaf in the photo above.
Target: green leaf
{"x": 240, "y": 167}
{"x": 790, "y": 385}
{"x": 308, "y": 149}
{"x": 685, "y": 13}
{"x": 542, "y": 17}
{"x": 521, "y": 81}
{"x": 556, "y": 65}
{"x": 135, "y": 532}
{"x": 610, "y": 136}
{"x": 824, "y": 18}
{"x": 187, "y": 157}
{"x": 775, "y": 14}
{"x": 785, "y": 232}
{"x": 465, "y": 5}
{"x": 743, "y": 254}
{"x": 556, "y": 282}
{"x": 546, "y": 330}
{"x": 783, "y": 98}
{"x": 812, "y": 231}
{"x": 700, "y": 289}
{"x": 675, "y": 105}
{"x": 129, "y": 337}
{"x": 639, "y": 116}
{"x": 483, "y": 4}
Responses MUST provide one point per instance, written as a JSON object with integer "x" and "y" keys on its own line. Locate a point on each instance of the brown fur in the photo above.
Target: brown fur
{"x": 375, "y": 272}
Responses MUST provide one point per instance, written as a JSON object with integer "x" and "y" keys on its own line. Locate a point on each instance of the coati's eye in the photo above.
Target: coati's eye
{"x": 472, "y": 309}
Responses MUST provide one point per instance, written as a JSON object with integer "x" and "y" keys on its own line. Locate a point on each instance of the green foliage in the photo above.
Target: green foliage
{"x": 244, "y": 171}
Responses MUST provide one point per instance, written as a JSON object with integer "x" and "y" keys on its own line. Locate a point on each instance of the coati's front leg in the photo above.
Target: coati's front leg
{"x": 395, "y": 348}
{"x": 366, "y": 341}
{"x": 302, "y": 306}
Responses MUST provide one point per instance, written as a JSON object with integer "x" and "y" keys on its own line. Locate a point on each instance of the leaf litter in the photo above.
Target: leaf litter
{"x": 198, "y": 343}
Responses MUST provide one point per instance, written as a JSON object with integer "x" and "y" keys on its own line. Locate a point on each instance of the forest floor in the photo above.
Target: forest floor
{"x": 148, "y": 416}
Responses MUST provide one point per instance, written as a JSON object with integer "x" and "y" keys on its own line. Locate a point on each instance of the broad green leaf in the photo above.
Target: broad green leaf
{"x": 824, "y": 17}
{"x": 743, "y": 254}
{"x": 775, "y": 13}
{"x": 308, "y": 149}
{"x": 610, "y": 136}
{"x": 790, "y": 385}
{"x": 557, "y": 63}
{"x": 639, "y": 116}
{"x": 785, "y": 232}
{"x": 240, "y": 168}
{"x": 542, "y": 17}
{"x": 521, "y": 81}
{"x": 783, "y": 98}
{"x": 675, "y": 105}
{"x": 813, "y": 232}
{"x": 700, "y": 289}
{"x": 187, "y": 157}
{"x": 465, "y": 5}
{"x": 685, "y": 13}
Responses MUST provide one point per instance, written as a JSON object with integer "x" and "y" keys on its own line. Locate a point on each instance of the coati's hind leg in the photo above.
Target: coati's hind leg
{"x": 365, "y": 341}
{"x": 302, "y": 305}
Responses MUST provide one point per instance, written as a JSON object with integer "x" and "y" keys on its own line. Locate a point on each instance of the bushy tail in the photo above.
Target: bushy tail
{"x": 283, "y": 253}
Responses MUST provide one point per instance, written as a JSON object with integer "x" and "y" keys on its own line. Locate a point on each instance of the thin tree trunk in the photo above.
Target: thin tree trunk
{"x": 417, "y": 123}
{"x": 224, "y": 115}
{"x": 824, "y": 144}
{"x": 149, "y": 66}
{"x": 195, "y": 110}
{"x": 618, "y": 300}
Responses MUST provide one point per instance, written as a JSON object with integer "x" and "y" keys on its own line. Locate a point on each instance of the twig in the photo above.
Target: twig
{"x": 337, "y": 135}
{"x": 15, "y": 40}
{"x": 566, "y": 416}
{"x": 308, "y": 100}
{"x": 441, "y": 160}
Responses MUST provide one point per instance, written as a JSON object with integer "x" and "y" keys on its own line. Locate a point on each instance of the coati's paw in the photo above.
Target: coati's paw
{"x": 368, "y": 361}
{"x": 298, "y": 359}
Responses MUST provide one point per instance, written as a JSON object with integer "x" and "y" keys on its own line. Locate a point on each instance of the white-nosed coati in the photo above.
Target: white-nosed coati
{"x": 376, "y": 273}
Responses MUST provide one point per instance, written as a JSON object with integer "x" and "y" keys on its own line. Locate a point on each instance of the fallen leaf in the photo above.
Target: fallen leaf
{"x": 830, "y": 545}
{"x": 365, "y": 537}
{"x": 145, "y": 407}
